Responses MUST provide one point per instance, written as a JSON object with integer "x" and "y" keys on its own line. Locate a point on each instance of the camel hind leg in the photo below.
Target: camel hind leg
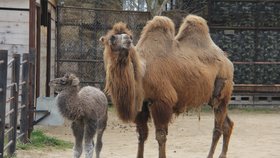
{"x": 219, "y": 86}
{"x": 223, "y": 124}
{"x": 90, "y": 130}
{"x": 78, "y": 132}
{"x": 227, "y": 130}
{"x": 100, "y": 130}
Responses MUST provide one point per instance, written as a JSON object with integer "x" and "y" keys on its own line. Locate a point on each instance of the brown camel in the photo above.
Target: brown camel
{"x": 168, "y": 74}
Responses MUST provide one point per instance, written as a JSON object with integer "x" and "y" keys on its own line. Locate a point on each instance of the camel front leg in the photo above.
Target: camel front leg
{"x": 162, "y": 114}
{"x": 142, "y": 129}
{"x": 161, "y": 138}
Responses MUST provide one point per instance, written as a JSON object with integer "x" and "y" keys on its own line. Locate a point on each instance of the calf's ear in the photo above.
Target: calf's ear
{"x": 75, "y": 82}
{"x": 102, "y": 39}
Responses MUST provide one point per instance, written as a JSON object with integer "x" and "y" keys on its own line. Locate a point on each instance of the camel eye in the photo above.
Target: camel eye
{"x": 113, "y": 39}
{"x": 63, "y": 82}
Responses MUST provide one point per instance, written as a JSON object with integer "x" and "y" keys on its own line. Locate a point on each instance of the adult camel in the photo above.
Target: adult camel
{"x": 169, "y": 74}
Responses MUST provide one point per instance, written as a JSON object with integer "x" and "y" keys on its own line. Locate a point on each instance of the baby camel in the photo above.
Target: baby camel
{"x": 86, "y": 108}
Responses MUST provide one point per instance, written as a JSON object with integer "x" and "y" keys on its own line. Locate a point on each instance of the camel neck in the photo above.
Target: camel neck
{"x": 69, "y": 92}
{"x": 67, "y": 101}
{"x": 122, "y": 58}
{"x": 119, "y": 58}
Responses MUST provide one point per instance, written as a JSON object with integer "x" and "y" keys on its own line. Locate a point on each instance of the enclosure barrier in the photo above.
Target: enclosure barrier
{"x": 18, "y": 101}
{"x": 251, "y": 42}
{"x": 3, "y": 84}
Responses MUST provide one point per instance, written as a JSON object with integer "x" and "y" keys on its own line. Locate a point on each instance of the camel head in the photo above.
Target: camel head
{"x": 118, "y": 40}
{"x": 67, "y": 81}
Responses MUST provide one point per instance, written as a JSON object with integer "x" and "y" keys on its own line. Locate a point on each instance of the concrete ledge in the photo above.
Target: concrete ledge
{"x": 48, "y": 103}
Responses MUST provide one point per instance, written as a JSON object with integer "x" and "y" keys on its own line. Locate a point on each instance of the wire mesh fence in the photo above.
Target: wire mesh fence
{"x": 249, "y": 31}
{"x": 79, "y": 30}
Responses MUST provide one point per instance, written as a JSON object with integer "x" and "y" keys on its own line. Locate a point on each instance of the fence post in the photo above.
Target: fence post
{"x": 14, "y": 103}
{"x": 3, "y": 85}
{"x": 24, "y": 99}
{"x": 31, "y": 85}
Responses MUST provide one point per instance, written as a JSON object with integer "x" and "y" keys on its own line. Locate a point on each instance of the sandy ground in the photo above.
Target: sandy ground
{"x": 256, "y": 135}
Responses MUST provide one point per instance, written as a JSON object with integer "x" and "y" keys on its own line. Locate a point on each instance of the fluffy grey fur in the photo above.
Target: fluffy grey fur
{"x": 86, "y": 108}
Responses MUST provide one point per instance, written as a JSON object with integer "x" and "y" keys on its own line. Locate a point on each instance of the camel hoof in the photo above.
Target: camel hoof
{"x": 210, "y": 155}
{"x": 222, "y": 156}
{"x": 77, "y": 154}
{"x": 88, "y": 151}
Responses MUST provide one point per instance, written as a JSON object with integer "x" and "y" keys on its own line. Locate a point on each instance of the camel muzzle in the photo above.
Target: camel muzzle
{"x": 121, "y": 41}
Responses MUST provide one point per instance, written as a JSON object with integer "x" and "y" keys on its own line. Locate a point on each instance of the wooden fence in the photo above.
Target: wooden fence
{"x": 17, "y": 105}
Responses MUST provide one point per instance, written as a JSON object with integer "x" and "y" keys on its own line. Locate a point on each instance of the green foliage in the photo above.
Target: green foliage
{"x": 9, "y": 156}
{"x": 39, "y": 141}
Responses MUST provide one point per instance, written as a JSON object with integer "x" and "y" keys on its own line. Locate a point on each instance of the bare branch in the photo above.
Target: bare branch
{"x": 149, "y": 5}
{"x": 160, "y": 10}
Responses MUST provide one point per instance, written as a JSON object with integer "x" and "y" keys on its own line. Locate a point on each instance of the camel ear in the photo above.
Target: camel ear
{"x": 75, "y": 82}
{"x": 66, "y": 75}
{"x": 102, "y": 39}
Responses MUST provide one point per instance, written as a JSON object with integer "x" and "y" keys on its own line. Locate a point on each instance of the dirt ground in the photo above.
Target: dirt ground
{"x": 256, "y": 135}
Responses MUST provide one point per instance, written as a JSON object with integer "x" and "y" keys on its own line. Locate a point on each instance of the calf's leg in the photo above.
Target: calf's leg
{"x": 78, "y": 132}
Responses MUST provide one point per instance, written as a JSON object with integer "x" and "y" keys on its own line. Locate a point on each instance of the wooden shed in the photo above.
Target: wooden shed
{"x": 29, "y": 25}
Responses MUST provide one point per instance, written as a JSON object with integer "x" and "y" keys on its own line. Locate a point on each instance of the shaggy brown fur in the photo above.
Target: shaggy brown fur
{"x": 124, "y": 76}
{"x": 182, "y": 72}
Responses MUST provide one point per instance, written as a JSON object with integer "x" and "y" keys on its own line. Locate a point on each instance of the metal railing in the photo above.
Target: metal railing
{"x": 19, "y": 100}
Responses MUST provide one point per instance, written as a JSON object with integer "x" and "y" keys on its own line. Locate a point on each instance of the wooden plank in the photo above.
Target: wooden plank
{"x": 14, "y": 16}
{"x": 31, "y": 84}
{"x": 14, "y": 104}
{"x": 53, "y": 2}
{"x": 21, "y": 39}
{"x": 24, "y": 97}
{"x": 14, "y": 27}
{"x": 256, "y": 88}
{"x": 3, "y": 85}
{"x": 53, "y": 12}
{"x": 15, "y": 48}
{"x": 23, "y": 4}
